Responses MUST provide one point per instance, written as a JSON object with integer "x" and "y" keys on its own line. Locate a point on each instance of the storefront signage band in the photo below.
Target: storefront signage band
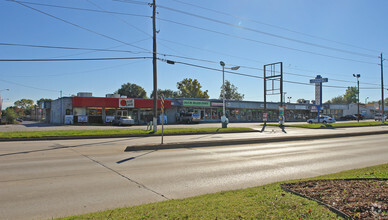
{"x": 196, "y": 103}
{"x": 126, "y": 103}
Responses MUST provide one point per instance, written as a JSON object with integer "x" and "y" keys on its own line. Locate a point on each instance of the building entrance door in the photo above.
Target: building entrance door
{"x": 121, "y": 113}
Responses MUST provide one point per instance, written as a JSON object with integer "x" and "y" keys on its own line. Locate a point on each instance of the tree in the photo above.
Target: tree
{"x": 300, "y": 101}
{"x": 24, "y": 103}
{"x": 132, "y": 90}
{"x": 337, "y": 100}
{"x": 11, "y": 115}
{"x": 231, "y": 92}
{"x": 190, "y": 88}
{"x": 168, "y": 93}
{"x": 42, "y": 100}
{"x": 351, "y": 95}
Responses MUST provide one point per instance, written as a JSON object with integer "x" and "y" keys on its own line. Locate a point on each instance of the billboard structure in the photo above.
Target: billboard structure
{"x": 273, "y": 85}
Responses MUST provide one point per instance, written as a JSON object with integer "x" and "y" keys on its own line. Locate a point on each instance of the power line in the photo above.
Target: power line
{"x": 133, "y": 2}
{"x": 74, "y": 59}
{"x": 109, "y": 50}
{"x": 78, "y": 26}
{"x": 256, "y": 68}
{"x": 250, "y": 59}
{"x": 274, "y": 26}
{"x": 251, "y": 76}
{"x": 78, "y": 72}
{"x": 88, "y": 52}
{"x": 82, "y": 9}
{"x": 261, "y": 42}
{"x": 266, "y": 33}
{"x": 27, "y": 86}
{"x": 258, "y": 31}
{"x": 125, "y": 22}
{"x": 122, "y": 20}
{"x": 70, "y": 48}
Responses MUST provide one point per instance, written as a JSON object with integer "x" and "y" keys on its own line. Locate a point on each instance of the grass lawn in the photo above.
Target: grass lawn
{"x": 69, "y": 133}
{"x": 263, "y": 202}
{"x": 333, "y": 125}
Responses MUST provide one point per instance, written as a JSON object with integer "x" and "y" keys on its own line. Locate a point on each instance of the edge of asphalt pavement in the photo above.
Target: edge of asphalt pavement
{"x": 191, "y": 144}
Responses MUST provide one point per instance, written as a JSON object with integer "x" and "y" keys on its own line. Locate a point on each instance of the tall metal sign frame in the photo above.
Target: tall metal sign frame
{"x": 273, "y": 74}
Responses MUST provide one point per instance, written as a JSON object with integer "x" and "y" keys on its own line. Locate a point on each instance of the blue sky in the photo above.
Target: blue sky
{"x": 332, "y": 38}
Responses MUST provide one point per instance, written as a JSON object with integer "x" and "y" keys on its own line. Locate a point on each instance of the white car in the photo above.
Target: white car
{"x": 322, "y": 119}
{"x": 378, "y": 117}
{"x": 124, "y": 120}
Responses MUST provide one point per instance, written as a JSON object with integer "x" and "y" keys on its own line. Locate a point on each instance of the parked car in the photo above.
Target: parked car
{"x": 348, "y": 117}
{"x": 124, "y": 120}
{"x": 189, "y": 117}
{"x": 378, "y": 117}
{"x": 322, "y": 119}
{"x": 358, "y": 116}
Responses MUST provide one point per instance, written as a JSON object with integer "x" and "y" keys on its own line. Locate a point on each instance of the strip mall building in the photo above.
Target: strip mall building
{"x": 86, "y": 109}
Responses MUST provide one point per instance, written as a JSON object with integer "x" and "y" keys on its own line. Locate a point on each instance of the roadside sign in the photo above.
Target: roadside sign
{"x": 162, "y": 118}
{"x": 281, "y": 111}
{"x": 265, "y": 116}
{"x": 318, "y": 88}
{"x": 162, "y": 102}
{"x": 321, "y": 80}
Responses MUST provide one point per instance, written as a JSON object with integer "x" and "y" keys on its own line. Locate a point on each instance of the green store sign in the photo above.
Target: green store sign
{"x": 196, "y": 103}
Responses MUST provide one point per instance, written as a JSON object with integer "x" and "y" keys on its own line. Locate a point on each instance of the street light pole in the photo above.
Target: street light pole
{"x": 289, "y": 99}
{"x": 358, "y": 96}
{"x": 224, "y": 119}
{"x": 1, "y": 101}
{"x": 366, "y": 100}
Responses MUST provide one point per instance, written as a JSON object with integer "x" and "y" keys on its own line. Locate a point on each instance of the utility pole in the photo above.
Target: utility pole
{"x": 382, "y": 88}
{"x": 61, "y": 121}
{"x": 155, "y": 110}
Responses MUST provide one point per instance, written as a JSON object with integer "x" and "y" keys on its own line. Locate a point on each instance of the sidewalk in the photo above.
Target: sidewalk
{"x": 271, "y": 134}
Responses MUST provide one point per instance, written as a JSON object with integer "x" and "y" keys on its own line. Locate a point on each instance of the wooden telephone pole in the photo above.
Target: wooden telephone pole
{"x": 154, "y": 62}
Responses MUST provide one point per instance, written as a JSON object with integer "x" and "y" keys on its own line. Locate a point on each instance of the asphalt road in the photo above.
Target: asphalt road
{"x": 44, "y": 179}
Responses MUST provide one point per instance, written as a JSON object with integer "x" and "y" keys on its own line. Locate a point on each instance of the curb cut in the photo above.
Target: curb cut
{"x": 178, "y": 145}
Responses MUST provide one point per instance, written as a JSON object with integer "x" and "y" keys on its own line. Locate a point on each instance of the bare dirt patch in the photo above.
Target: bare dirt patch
{"x": 358, "y": 198}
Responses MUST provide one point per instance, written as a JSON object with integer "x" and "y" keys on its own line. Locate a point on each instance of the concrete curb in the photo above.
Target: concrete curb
{"x": 178, "y": 145}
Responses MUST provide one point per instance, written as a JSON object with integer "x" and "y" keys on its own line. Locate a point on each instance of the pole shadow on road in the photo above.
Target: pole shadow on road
{"x": 132, "y": 158}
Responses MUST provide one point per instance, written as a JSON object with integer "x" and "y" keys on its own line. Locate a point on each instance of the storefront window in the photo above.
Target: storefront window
{"x": 243, "y": 114}
{"x": 214, "y": 114}
{"x": 94, "y": 112}
{"x": 110, "y": 111}
{"x": 79, "y": 111}
{"x": 208, "y": 114}
{"x": 249, "y": 115}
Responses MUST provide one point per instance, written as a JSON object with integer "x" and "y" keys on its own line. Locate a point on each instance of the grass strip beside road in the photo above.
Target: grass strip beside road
{"x": 263, "y": 202}
{"x": 118, "y": 132}
{"x": 333, "y": 125}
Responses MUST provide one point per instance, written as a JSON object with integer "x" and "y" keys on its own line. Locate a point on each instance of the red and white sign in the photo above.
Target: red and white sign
{"x": 126, "y": 103}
